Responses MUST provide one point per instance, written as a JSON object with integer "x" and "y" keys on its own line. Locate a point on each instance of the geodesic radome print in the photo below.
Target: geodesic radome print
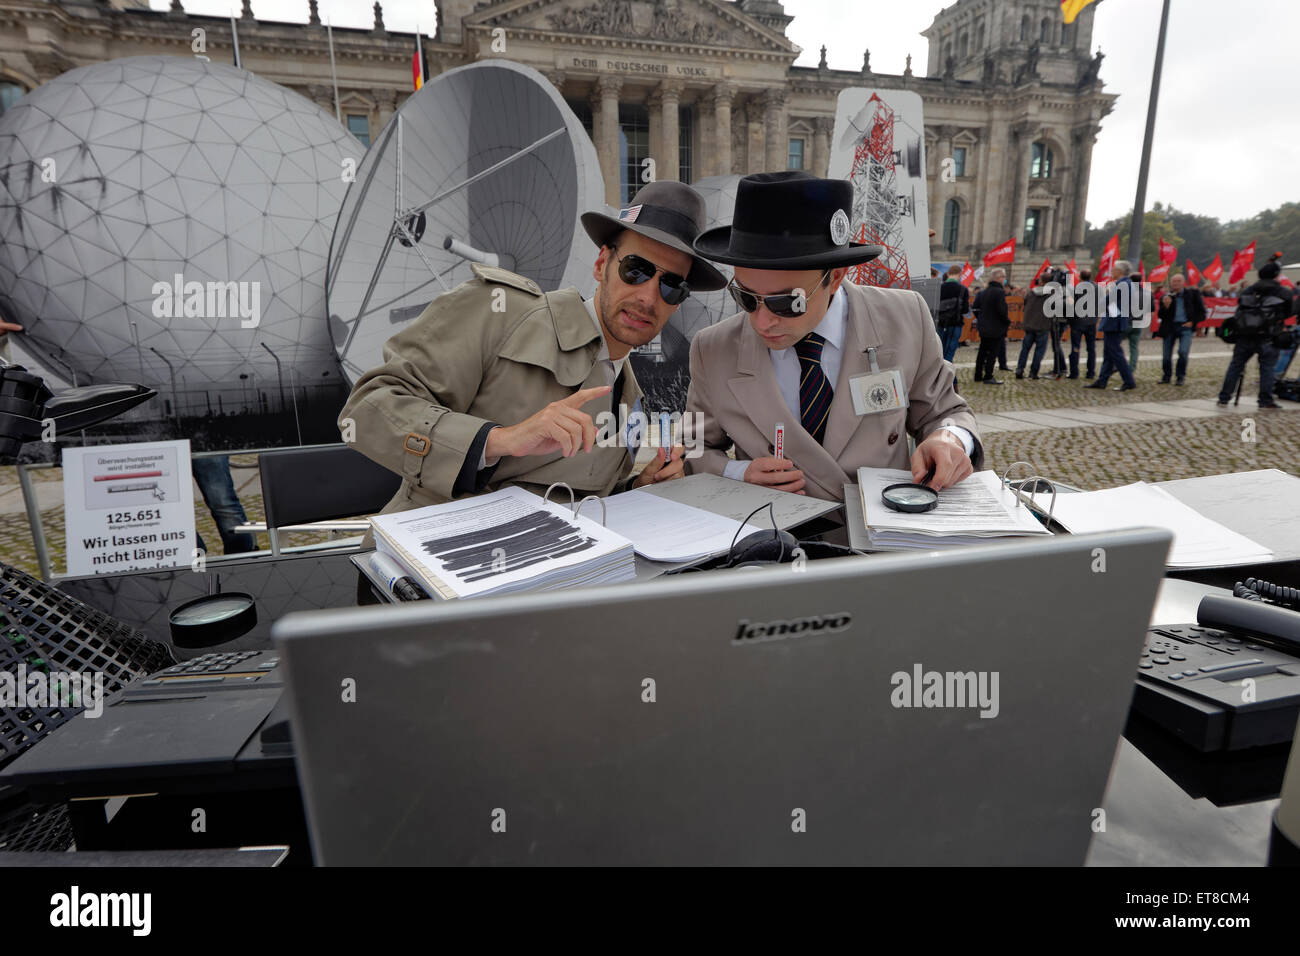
{"x": 117, "y": 177}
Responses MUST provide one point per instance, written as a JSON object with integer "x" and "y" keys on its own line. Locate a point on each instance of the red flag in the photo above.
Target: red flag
{"x": 1214, "y": 271}
{"x": 1074, "y": 270}
{"x": 967, "y": 275}
{"x": 1160, "y": 273}
{"x": 1193, "y": 277}
{"x": 1142, "y": 270}
{"x": 1108, "y": 257}
{"x": 1242, "y": 263}
{"x": 1003, "y": 253}
{"x": 1047, "y": 264}
{"x": 1168, "y": 254}
{"x": 1284, "y": 281}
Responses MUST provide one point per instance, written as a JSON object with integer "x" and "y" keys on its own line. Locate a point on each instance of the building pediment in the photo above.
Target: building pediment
{"x": 1044, "y": 189}
{"x": 694, "y": 22}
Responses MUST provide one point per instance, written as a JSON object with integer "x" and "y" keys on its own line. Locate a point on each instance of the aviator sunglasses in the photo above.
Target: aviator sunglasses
{"x": 634, "y": 270}
{"x": 782, "y": 305}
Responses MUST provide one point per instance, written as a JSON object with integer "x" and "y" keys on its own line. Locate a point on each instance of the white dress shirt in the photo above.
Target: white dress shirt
{"x": 785, "y": 363}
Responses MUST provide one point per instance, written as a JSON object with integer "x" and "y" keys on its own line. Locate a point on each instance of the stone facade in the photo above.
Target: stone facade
{"x": 702, "y": 87}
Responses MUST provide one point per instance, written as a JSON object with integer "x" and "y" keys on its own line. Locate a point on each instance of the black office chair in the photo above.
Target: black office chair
{"x": 321, "y": 483}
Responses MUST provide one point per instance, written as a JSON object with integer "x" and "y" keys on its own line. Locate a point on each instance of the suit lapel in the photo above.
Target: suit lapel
{"x": 755, "y": 388}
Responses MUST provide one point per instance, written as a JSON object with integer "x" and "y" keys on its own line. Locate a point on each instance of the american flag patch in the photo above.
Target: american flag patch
{"x": 629, "y": 214}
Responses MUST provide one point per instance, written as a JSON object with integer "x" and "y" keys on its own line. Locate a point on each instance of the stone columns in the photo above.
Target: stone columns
{"x": 1081, "y": 162}
{"x": 778, "y": 135}
{"x": 720, "y": 161}
{"x": 668, "y": 164}
{"x": 823, "y": 127}
{"x": 1023, "y": 135}
{"x": 605, "y": 126}
{"x": 755, "y": 153}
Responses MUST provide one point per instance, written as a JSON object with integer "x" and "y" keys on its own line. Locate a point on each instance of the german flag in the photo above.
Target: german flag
{"x": 1072, "y": 8}
{"x": 419, "y": 71}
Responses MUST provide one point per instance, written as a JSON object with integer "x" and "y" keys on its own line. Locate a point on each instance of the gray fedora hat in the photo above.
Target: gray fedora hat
{"x": 667, "y": 212}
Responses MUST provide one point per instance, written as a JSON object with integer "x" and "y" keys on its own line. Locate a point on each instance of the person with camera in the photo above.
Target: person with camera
{"x": 1261, "y": 310}
{"x": 1181, "y": 310}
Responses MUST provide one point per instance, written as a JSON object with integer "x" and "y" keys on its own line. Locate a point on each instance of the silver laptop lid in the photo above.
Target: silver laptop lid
{"x": 939, "y": 708}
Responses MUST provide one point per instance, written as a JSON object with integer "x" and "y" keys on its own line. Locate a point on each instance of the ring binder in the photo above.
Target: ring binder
{"x": 604, "y": 511}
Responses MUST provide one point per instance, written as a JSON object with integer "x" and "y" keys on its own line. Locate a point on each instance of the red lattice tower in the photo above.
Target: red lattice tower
{"x": 877, "y": 216}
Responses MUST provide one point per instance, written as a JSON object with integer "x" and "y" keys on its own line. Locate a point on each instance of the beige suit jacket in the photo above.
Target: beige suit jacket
{"x": 493, "y": 349}
{"x": 735, "y": 394}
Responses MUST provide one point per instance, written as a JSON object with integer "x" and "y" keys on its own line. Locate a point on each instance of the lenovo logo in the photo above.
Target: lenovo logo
{"x": 748, "y": 633}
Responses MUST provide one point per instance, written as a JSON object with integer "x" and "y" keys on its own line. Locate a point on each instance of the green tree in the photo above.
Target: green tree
{"x": 1202, "y": 236}
{"x": 1156, "y": 225}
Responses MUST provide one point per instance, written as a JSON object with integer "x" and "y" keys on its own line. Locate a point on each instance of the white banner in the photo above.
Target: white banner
{"x": 128, "y": 507}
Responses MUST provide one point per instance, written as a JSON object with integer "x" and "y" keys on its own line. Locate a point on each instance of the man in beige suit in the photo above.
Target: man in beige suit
{"x": 498, "y": 383}
{"x": 850, "y": 371}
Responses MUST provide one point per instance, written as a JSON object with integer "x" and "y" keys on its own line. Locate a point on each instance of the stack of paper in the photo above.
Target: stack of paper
{"x": 969, "y": 512}
{"x": 668, "y": 531}
{"x": 510, "y": 540}
{"x": 1199, "y": 542}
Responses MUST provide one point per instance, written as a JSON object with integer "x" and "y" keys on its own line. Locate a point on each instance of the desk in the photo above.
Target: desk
{"x": 143, "y": 599}
{"x": 1165, "y": 804}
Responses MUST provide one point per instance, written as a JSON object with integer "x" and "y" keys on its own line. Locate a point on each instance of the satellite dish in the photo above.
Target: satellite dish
{"x": 486, "y": 163}
{"x": 703, "y": 309}
{"x": 118, "y": 177}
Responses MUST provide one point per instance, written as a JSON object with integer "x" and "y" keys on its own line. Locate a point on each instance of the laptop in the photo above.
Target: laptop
{"x": 935, "y": 709}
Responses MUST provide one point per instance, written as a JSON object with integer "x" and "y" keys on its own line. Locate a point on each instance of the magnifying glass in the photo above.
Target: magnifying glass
{"x": 213, "y": 619}
{"x": 911, "y": 498}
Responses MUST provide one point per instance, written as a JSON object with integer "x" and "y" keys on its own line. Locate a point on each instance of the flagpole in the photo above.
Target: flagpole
{"x": 1139, "y": 204}
{"x": 234, "y": 36}
{"x": 329, "y": 31}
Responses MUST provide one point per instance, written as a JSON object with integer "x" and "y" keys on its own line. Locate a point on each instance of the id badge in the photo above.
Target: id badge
{"x": 876, "y": 392}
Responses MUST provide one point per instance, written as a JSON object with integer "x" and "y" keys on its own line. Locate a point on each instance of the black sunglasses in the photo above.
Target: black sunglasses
{"x": 783, "y": 305}
{"x": 634, "y": 270}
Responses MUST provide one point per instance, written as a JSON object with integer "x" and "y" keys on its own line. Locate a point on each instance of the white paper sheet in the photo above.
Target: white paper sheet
{"x": 977, "y": 507}
{"x": 1199, "y": 542}
{"x": 663, "y": 530}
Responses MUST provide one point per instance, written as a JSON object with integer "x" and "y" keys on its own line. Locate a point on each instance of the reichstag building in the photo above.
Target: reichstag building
{"x": 1013, "y": 97}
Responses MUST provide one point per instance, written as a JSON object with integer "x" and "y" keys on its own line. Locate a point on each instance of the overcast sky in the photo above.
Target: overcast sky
{"x": 1224, "y": 145}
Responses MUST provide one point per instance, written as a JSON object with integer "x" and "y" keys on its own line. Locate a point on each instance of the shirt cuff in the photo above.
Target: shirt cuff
{"x": 472, "y": 480}
{"x": 735, "y": 470}
{"x": 967, "y": 439}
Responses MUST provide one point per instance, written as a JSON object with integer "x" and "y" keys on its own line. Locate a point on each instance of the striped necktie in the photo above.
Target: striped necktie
{"x": 815, "y": 390}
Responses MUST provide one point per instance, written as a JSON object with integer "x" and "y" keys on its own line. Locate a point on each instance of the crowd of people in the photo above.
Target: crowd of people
{"x": 1124, "y": 304}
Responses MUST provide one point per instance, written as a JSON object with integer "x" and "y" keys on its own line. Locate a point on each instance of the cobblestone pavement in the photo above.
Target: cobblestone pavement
{"x": 1112, "y": 454}
{"x": 1242, "y": 439}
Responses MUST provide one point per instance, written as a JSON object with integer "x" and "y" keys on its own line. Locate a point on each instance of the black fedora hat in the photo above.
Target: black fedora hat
{"x": 789, "y": 220}
{"x": 667, "y": 212}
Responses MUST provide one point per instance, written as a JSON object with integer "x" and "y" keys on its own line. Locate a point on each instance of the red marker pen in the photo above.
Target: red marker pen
{"x": 778, "y": 446}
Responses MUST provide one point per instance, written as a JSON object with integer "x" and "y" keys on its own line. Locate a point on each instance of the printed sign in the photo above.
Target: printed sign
{"x": 128, "y": 507}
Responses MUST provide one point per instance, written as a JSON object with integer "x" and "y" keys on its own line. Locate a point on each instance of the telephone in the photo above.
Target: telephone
{"x": 1231, "y": 680}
